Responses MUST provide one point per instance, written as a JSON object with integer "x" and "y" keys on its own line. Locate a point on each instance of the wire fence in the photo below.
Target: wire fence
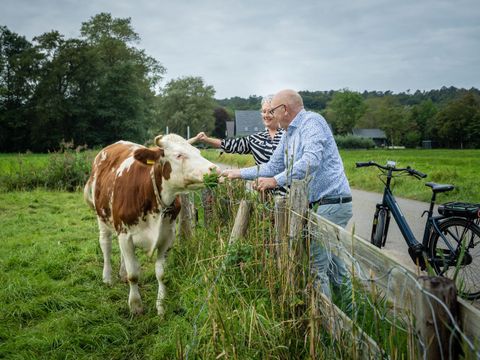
{"x": 390, "y": 311}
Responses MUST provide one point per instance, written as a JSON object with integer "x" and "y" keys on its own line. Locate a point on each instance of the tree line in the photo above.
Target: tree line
{"x": 101, "y": 87}
{"x": 449, "y": 117}
{"x": 93, "y": 90}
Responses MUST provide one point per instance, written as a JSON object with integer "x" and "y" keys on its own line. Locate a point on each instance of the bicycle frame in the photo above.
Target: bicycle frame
{"x": 391, "y": 204}
{"x": 432, "y": 223}
{"x": 448, "y": 238}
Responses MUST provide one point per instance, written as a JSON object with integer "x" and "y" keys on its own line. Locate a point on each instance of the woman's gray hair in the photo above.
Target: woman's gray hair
{"x": 267, "y": 99}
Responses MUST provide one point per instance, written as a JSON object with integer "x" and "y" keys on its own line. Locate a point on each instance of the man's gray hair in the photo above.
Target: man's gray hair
{"x": 267, "y": 99}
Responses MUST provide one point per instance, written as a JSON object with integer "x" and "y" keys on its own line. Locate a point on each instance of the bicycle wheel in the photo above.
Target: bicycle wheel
{"x": 461, "y": 264}
{"x": 379, "y": 228}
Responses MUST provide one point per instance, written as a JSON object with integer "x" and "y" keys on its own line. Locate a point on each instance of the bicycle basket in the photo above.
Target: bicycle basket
{"x": 455, "y": 208}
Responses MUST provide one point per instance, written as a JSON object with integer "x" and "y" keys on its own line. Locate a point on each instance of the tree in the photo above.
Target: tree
{"x": 419, "y": 122}
{"x": 186, "y": 101}
{"x": 125, "y": 80}
{"x": 458, "y": 123}
{"x": 18, "y": 60}
{"x": 345, "y": 108}
{"x": 221, "y": 117}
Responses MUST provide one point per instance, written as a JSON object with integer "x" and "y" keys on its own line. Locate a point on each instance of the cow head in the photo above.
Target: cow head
{"x": 183, "y": 168}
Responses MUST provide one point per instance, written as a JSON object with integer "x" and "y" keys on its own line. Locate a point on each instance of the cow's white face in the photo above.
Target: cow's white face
{"x": 187, "y": 164}
{"x": 183, "y": 168}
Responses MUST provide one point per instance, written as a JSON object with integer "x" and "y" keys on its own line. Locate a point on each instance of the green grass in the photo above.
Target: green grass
{"x": 14, "y": 162}
{"x": 54, "y": 305}
{"x": 458, "y": 167}
{"x": 228, "y": 302}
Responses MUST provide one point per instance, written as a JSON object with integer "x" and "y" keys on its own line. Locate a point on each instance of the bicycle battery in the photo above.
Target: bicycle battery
{"x": 461, "y": 209}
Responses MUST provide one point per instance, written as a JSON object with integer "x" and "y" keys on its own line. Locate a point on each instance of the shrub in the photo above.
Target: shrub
{"x": 67, "y": 169}
{"x": 354, "y": 142}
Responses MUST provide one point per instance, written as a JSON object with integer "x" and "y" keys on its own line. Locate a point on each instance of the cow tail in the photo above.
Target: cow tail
{"x": 88, "y": 195}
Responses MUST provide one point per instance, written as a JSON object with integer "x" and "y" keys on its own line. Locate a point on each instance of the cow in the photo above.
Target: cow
{"x": 134, "y": 192}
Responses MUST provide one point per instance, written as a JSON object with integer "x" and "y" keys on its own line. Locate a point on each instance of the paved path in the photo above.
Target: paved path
{"x": 363, "y": 209}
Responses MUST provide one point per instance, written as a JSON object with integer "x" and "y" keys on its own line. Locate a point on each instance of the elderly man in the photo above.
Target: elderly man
{"x": 308, "y": 148}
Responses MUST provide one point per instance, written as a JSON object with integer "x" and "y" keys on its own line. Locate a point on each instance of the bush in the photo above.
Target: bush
{"x": 354, "y": 142}
{"x": 67, "y": 169}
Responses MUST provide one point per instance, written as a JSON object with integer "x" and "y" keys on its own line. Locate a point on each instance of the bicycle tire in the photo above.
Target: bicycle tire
{"x": 379, "y": 228}
{"x": 440, "y": 257}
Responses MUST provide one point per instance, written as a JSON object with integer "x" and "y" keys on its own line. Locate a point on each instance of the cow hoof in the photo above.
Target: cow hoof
{"x": 136, "y": 306}
{"x": 160, "y": 311}
{"x": 107, "y": 281}
{"x": 136, "y": 310}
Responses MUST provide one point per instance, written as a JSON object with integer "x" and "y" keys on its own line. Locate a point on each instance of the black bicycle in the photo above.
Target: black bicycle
{"x": 451, "y": 240}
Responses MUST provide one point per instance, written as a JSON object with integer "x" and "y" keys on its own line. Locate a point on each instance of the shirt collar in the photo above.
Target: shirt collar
{"x": 297, "y": 119}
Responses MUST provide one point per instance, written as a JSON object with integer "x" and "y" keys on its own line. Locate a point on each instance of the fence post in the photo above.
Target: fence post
{"x": 186, "y": 217}
{"x": 280, "y": 248}
{"x": 241, "y": 221}
{"x": 433, "y": 324}
{"x": 298, "y": 202}
{"x": 299, "y": 209}
{"x": 207, "y": 203}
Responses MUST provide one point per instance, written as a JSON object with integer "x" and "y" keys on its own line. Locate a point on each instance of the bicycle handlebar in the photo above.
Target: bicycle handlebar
{"x": 390, "y": 167}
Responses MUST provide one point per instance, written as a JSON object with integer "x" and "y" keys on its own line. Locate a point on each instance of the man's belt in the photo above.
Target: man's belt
{"x": 331, "y": 200}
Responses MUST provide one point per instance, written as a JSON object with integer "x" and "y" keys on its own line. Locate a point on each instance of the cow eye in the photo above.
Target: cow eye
{"x": 180, "y": 156}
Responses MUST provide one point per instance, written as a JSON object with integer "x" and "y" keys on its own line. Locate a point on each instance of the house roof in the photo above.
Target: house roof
{"x": 370, "y": 133}
{"x": 248, "y": 122}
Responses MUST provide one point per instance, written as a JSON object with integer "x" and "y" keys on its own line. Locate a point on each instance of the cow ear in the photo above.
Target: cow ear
{"x": 148, "y": 156}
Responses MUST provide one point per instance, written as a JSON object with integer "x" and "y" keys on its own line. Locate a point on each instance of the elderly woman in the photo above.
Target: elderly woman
{"x": 261, "y": 145}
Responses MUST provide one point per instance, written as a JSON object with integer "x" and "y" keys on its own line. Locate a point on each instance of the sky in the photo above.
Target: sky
{"x": 255, "y": 47}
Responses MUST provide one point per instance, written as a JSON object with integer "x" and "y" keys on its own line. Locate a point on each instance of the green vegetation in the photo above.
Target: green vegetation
{"x": 222, "y": 301}
{"x": 102, "y": 87}
{"x": 64, "y": 170}
{"x": 458, "y": 167}
{"x": 211, "y": 180}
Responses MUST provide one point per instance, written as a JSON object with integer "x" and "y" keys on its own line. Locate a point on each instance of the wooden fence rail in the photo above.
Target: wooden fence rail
{"x": 364, "y": 258}
{"x": 373, "y": 260}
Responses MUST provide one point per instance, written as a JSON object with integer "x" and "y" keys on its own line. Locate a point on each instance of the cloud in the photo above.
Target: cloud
{"x": 257, "y": 47}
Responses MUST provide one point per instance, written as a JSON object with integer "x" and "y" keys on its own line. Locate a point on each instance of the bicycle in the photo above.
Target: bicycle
{"x": 451, "y": 240}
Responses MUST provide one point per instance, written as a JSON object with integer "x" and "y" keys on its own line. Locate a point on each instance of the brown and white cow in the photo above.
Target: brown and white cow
{"x": 133, "y": 190}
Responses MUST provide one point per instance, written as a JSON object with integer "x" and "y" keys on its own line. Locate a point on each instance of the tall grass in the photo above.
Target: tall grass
{"x": 67, "y": 169}
{"x": 223, "y": 301}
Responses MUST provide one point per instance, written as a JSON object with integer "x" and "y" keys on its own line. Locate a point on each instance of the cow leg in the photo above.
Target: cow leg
{"x": 105, "y": 240}
{"x": 133, "y": 269}
{"x": 159, "y": 270}
{"x": 122, "y": 272}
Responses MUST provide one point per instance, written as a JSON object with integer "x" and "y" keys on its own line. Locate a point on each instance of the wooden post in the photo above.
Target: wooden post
{"x": 281, "y": 227}
{"x": 241, "y": 221}
{"x": 299, "y": 207}
{"x": 433, "y": 324}
{"x": 186, "y": 217}
{"x": 298, "y": 210}
{"x": 207, "y": 203}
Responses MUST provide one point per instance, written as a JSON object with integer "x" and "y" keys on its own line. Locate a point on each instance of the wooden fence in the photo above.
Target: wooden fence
{"x": 448, "y": 313}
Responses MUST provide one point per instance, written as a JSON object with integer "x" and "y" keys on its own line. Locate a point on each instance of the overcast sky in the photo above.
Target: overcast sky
{"x": 255, "y": 47}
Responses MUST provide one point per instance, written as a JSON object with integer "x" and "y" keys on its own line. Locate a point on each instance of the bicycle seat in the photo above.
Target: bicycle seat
{"x": 439, "y": 188}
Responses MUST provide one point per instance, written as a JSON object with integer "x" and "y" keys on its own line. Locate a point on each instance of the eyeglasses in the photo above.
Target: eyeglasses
{"x": 272, "y": 112}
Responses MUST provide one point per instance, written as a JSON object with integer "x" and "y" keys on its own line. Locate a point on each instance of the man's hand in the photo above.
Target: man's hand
{"x": 231, "y": 174}
{"x": 262, "y": 184}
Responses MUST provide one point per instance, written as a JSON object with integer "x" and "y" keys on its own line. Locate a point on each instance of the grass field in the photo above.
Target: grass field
{"x": 458, "y": 167}
{"x": 222, "y": 302}
{"x": 55, "y": 306}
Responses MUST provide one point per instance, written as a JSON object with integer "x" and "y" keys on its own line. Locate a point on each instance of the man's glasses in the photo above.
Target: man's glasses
{"x": 272, "y": 112}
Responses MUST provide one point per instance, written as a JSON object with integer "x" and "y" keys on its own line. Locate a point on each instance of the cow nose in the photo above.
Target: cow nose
{"x": 214, "y": 168}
